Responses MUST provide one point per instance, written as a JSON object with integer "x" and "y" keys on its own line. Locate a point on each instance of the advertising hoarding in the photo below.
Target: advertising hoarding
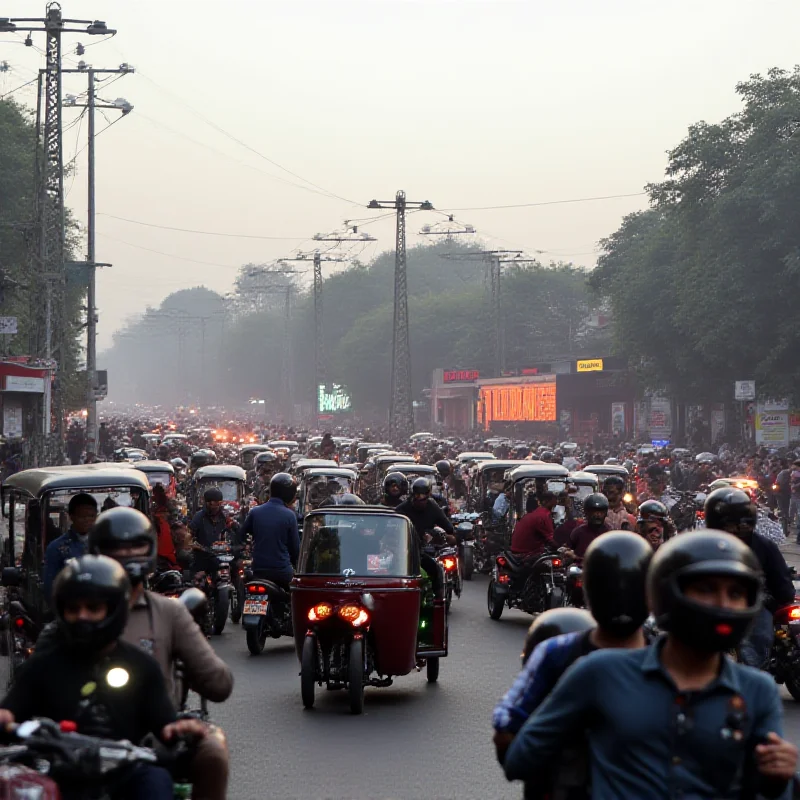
{"x": 333, "y": 398}
{"x": 520, "y": 402}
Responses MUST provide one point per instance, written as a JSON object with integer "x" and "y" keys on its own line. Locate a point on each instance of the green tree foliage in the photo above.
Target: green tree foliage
{"x": 704, "y": 285}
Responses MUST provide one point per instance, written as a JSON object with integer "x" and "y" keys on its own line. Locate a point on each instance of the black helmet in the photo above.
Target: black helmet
{"x": 705, "y": 627}
{"x": 212, "y": 495}
{"x": 95, "y": 578}
{"x": 548, "y": 456}
{"x": 346, "y": 499}
{"x": 283, "y": 486}
{"x": 266, "y": 457}
{"x": 443, "y": 467}
{"x": 614, "y": 480}
{"x": 168, "y": 582}
{"x": 595, "y": 502}
{"x": 733, "y": 510}
{"x": 652, "y": 509}
{"x": 555, "y": 622}
{"x": 614, "y": 580}
{"x": 421, "y": 486}
{"x": 395, "y": 479}
{"x": 125, "y": 527}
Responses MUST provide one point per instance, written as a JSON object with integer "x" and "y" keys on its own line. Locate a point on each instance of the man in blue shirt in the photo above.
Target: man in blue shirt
{"x": 678, "y": 719}
{"x": 273, "y": 526}
{"x": 502, "y": 504}
{"x": 82, "y": 511}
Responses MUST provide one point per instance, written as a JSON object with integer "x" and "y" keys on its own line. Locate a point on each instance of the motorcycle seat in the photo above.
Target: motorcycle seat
{"x": 515, "y": 560}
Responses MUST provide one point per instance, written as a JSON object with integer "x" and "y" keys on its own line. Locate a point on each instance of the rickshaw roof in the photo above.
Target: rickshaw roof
{"x": 606, "y": 469}
{"x": 312, "y": 463}
{"x": 176, "y": 436}
{"x": 358, "y": 511}
{"x": 37, "y": 482}
{"x": 538, "y": 471}
{"x": 276, "y": 444}
{"x": 407, "y": 466}
{"x": 254, "y": 448}
{"x": 153, "y": 465}
{"x": 333, "y": 472}
{"x": 581, "y": 476}
{"x": 476, "y": 455}
{"x": 398, "y": 458}
{"x": 499, "y": 463}
{"x": 151, "y": 436}
{"x": 220, "y": 472}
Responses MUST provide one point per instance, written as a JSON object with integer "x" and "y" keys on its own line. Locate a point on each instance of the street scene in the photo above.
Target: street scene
{"x": 399, "y": 400}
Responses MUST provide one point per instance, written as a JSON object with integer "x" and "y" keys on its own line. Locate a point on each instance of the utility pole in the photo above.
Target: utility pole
{"x": 287, "y": 363}
{"x": 91, "y": 306}
{"x": 401, "y": 408}
{"x": 49, "y": 191}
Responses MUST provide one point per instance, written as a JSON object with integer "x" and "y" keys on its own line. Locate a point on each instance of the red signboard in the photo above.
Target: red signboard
{"x": 457, "y": 375}
{"x": 530, "y": 370}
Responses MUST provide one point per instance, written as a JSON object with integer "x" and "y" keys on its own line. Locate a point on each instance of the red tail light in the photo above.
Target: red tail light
{"x": 256, "y": 588}
{"x": 449, "y": 564}
{"x": 19, "y": 622}
{"x": 556, "y": 562}
{"x": 503, "y": 578}
{"x": 787, "y": 614}
{"x": 501, "y": 561}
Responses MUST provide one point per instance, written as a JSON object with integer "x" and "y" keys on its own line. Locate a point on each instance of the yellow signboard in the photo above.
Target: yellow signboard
{"x": 591, "y": 365}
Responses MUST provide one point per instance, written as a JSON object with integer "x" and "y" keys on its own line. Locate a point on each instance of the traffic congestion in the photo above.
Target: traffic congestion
{"x": 342, "y": 568}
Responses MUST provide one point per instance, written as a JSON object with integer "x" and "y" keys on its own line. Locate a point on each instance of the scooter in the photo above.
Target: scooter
{"x": 266, "y": 612}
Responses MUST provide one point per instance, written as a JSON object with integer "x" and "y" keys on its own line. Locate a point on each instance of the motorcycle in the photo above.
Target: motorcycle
{"x": 259, "y": 616}
{"x": 531, "y": 587}
{"x": 196, "y": 603}
{"x": 216, "y": 584}
{"x": 784, "y": 660}
{"x": 18, "y": 631}
{"x": 45, "y": 756}
{"x": 447, "y": 556}
{"x": 241, "y": 568}
{"x": 465, "y": 533}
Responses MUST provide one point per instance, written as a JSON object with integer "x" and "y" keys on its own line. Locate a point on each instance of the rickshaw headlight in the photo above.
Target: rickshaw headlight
{"x": 319, "y": 612}
{"x": 355, "y": 615}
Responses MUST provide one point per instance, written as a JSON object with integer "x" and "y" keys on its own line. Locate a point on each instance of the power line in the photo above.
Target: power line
{"x": 28, "y": 83}
{"x": 244, "y": 144}
{"x": 203, "y": 233}
{"x": 550, "y": 202}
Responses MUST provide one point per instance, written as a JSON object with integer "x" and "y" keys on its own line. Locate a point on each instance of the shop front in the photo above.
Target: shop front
{"x": 453, "y": 394}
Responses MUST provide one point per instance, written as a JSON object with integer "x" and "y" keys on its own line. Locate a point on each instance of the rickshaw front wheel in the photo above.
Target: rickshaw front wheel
{"x": 308, "y": 669}
{"x": 355, "y": 676}
{"x": 432, "y": 670}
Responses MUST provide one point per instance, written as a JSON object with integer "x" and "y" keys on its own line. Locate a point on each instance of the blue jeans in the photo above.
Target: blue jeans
{"x": 147, "y": 782}
{"x": 755, "y": 647}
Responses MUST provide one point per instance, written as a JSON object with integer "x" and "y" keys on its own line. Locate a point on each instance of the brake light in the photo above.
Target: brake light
{"x": 68, "y": 726}
{"x": 787, "y": 614}
{"x": 501, "y": 561}
{"x": 556, "y": 562}
{"x": 449, "y": 564}
{"x": 355, "y": 615}
{"x": 503, "y": 578}
{"x": 319, "y": 612}
{"x": 19, "y": 622}
{"x": 701, "y": 515}
{"x": 256, "y": 588}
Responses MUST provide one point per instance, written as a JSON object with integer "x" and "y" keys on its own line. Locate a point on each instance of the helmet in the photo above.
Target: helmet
{"x": 120, "y": 527}
{"x": 548, "y": 456}
{"x": 595, "y": 502}
{"x": 421, "y": 486}
{"x": 266, "y": 457}
{"x": 614, "y": 480}
{"x": 705, "y": 627}
{"x": 178, "y": 463}
{"x": 346, "y": 499}
{"x": 730, "y": 507}
{"x": 555, "y": 622}
{"x": 652, "y": 508}
{"x": 395, "y": 479}
{"x": 443, "y": 467}
{"x": 283, "y": 486}
{"x": 169, "y": 582}
{"x": 610, "y": 461}
{"x": 92, "y": 578}
{"x": 614, "y": 579}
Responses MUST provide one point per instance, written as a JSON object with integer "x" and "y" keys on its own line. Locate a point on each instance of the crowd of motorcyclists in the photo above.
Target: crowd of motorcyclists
{"x": 661, "y": 711}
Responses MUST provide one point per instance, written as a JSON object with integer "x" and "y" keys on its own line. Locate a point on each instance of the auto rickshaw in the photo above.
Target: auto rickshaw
{"x": 413, "y": 471}
{"x": 159, "y": 472}
{"x": 363, "y": 612}
{"x": 319, "y": 484}
{"x": 284, "y": 448}
{"x": 248, "y": 453}
{"x": 228, "y": 478}
{"x": 300, "y": 465}
{"x": 201, "y": 458}
{"x": 486, "y": 482}
{"x": 386, "y": 460}
{"x": 362, "y": 451}
{"x": 37, "y": 514}
{"x": 532, "y": 479}
{"x": 604, "y": 471}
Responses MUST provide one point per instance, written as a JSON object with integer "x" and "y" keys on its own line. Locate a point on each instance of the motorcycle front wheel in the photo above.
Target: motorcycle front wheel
{"x": 221, "y": 606}
{"x": 469, "y": 563}
{"x": 355, "y": 676}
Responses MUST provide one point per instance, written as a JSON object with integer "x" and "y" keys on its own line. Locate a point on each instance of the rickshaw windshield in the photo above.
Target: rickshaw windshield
{"x": 57, "y": 503}
{"x": 322, "y": 488}
{"x": 351, "y": 545}
{"x": 159, "y": 477}
{"x": 229, "y": 489}
{"x": 584, "y": 490}
{"x": 248, "y": 459}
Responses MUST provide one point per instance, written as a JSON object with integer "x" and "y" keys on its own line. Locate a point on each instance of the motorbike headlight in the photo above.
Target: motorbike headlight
{"x": 117, "y": 677}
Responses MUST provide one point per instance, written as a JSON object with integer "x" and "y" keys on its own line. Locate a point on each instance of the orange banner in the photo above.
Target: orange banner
{"x": 532, "y": 402}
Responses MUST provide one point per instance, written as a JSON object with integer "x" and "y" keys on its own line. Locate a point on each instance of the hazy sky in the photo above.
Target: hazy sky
{"x": 467, "y": 104}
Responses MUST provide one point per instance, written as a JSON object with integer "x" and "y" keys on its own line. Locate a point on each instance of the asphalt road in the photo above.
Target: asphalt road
{"x": 414, "y": 740}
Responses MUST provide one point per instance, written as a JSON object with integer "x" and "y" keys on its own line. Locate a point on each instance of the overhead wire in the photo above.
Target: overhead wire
{"x": 77, "y": 139}
{"x": 202, "y": 233}
{"x": 550, "y": 202}
{"x": 17, "y": 88}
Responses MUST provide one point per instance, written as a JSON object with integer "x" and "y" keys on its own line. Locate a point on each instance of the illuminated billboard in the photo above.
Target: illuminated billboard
{"x": 517, "y": 402}
{"x": 333, "y": 399}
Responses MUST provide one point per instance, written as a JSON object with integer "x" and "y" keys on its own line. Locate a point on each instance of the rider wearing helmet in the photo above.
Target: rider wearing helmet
{"x": 266, "y": 464}
{"x": 423, "y": 511}
{"x": 733, "y": 510}
{"x": 395, "y": 488}
{"x": 273, "y": 526}
{"x": 555, "y": 622}
{"x": 595, "y": 509}
{"x": 654, "y": 524}
{"x": 210, "y": 524}
{"x": 649, "y": 713}
{"x": 614, "y": 572}
{"x": 106, "y": 686}
{"x": 618, "y": 517}
{"x": 166, "y": 630}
